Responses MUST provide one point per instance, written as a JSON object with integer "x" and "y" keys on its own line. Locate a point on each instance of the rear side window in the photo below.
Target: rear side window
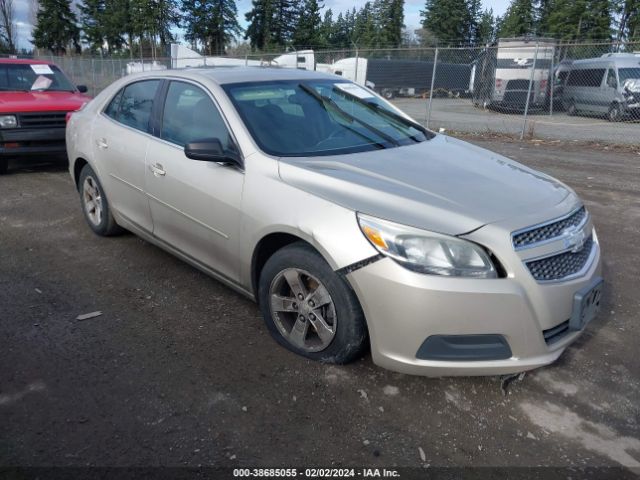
{"x": 113, "y": 107}
{"x": 189, "y": 115}
{"x": 132, "y": 106}
{"x": 588, "y": 77}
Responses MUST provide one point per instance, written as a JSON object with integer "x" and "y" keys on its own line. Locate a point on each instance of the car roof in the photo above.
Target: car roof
{"x": 27, "y": 61}
{"x": 227, "y": 75}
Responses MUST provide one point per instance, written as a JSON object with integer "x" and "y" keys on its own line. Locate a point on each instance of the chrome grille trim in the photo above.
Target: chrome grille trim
{"x": 563, "y": 266}
{"x": 549, "y": 231}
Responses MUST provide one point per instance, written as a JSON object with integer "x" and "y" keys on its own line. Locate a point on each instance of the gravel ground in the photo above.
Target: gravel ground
{"x": 180, "y": 371}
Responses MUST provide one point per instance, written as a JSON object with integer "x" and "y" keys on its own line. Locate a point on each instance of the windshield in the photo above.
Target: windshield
{"x": 627, "y": 73}
{"x": 311, "y": 118}
{"x": 29, "y": 77}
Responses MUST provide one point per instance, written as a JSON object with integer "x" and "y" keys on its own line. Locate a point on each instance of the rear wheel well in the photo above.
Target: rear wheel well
{"x": 263, "y": 251}
{"x": 77, "y": 168}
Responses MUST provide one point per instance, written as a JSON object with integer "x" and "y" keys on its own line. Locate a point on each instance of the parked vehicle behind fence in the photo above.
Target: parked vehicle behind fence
{"x": 502, "y": 77}
{"x": 35, "y": 97}
{"x": 349, "y": 223}
{"x": 609, "y": 85}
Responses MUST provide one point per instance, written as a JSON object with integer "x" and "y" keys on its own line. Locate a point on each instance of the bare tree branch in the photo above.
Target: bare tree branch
{"x": 7, "y": 30}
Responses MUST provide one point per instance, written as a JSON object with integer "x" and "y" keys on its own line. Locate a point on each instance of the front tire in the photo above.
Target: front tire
{"x": 572, "y": 109}
{"x": 95, "y": 205}
{"x": 309, "y": 309}
{"x": 615, "y": 113}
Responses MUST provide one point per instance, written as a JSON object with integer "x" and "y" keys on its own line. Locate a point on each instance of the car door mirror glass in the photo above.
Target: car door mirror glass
{"x": 211, "y": 150}
{"x": 82, "y": 88}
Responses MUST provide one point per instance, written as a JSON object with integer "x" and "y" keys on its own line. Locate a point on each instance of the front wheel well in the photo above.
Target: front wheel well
{"x": 264, "y": 250}
{"x": 77, "y": 168}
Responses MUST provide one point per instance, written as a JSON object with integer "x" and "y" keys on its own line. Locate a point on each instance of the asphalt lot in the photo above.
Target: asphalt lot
{"x": 458, "y": 114}
{"x": 180, "y": 371}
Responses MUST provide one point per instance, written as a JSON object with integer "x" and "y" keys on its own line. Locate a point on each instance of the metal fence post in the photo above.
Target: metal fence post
{"x": 355, "y": 79}
{"x": 433, "y": 80}
{"x": 526, "y": 106}
{"x": 552, "y": 80}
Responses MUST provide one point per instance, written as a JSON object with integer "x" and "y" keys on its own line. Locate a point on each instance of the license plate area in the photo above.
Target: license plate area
{"x": 586, "y": 303}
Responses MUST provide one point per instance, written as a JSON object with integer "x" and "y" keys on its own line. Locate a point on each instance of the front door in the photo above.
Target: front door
{"x": 195, "y": 205}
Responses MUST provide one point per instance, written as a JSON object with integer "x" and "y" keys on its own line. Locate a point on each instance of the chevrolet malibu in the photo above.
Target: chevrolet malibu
{"x": 351, "y": 225}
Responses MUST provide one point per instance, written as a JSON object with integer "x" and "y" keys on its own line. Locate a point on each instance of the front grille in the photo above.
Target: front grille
{"x": 549, "y": 231}
{"x": 552, "y": 335}
{"x": 561, "y": 266}
{"x": 42, "y": 119}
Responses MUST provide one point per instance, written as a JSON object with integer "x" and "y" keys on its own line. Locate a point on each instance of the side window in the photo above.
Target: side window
{"x": 136, "y": 104}
{"x": 189, "y": 115}
{"x": 612, "y": 81}
{"x": 114, "y": 106}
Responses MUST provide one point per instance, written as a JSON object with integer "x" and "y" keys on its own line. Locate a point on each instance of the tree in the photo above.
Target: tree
{"x": 271, "y": 23}
{"x": 486, "y": 32}
{"x": 572, "y": 20}
{"x": 518, "y": 20}
{"x": 309, "y": 26}
{"x": 213, "y": 23}
{"x": 56, "y": 28}
{"x": 7, "y": 32}
{"x": 390, "y": 14}
{"x": 259, "y": 30}
{"x": 628, "y": 26}
{"x": 449, "y": 21}
{"x": 365, "y": 34}
{"x": 91, "y": 21}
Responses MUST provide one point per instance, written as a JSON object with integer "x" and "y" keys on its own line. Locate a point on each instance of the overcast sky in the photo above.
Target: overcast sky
{"x": 411, "y": 13}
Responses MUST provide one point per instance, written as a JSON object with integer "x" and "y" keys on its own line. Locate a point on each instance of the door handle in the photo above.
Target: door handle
{"x": 102, "y": 143}
{"x": 157, "y": 170}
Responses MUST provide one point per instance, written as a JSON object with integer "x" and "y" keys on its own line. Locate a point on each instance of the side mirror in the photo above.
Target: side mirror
{"x": 210, "y": 150}
{"x": 82, "y": 88}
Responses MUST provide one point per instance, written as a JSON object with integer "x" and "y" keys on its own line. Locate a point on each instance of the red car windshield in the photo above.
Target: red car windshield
{"x": 33, "y": 77}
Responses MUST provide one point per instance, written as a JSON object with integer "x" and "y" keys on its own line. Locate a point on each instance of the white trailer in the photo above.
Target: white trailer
{"x": 184, "y": 57}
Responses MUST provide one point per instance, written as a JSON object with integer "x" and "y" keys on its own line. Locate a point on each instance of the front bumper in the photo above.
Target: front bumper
{"x": 21, "y": 142}
{"x": 404, "y": 308}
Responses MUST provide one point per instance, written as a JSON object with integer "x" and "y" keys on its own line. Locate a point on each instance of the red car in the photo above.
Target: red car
{"x": 35, "y": 97}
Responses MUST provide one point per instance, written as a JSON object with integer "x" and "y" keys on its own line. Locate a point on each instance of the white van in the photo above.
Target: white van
{"x": 607, "y": 85}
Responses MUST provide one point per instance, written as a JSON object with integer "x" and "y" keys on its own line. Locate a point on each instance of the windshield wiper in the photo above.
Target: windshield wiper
{"x": 399, "y": 118}
{"x": 330, "y": 102}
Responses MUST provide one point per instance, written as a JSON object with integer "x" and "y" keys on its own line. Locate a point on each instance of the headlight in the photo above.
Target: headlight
{"x": 8, "y": 121}
{"x": 427, "y": 252}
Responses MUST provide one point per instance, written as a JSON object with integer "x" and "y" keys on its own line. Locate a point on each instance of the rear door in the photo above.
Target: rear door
{"x": 120, "y": 139}
{"x": 195, "y": 205}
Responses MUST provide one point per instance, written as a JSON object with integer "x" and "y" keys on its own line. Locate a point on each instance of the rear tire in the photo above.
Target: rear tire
{"x": 309, "y": 309}
{"x": 95, "y": 205}
{"x": 4, "y": 166}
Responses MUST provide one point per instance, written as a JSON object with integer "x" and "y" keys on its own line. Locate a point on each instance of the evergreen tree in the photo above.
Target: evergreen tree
{"x": 259, "y": 30}
{"x": 518, "y": 20}
{"x": 572, "y": 20}
{"x": 390, "y": 14}
{"x": 486, "y": 32}
{"x": 309, "y": 26}
{"x": 365, "y": 34}
{"x": 327, "y": 29}
{"x": 449, "y": 21}
{"x": 213, "y": 23}
{"x": 92, "y": 16}
{"x": 56, "y": 27}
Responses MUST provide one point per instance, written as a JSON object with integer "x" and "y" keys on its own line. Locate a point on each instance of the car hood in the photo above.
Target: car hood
{"x": 14, "y": 102}
{"x": 442, "y": 185}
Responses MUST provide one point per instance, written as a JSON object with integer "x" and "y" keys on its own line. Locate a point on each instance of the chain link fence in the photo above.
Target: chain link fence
{"x": 533, "y": 88}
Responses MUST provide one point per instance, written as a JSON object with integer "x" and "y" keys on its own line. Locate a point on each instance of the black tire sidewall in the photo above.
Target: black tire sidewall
{"x": 614, "y": 108}
{"x": 4, "y": 165}
{"x": 104, "y": 227}
{"x": 351, "y": 336}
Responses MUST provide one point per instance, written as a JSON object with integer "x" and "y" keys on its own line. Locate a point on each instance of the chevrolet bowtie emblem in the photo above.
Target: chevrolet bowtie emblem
{"x": 574, "y": 239}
